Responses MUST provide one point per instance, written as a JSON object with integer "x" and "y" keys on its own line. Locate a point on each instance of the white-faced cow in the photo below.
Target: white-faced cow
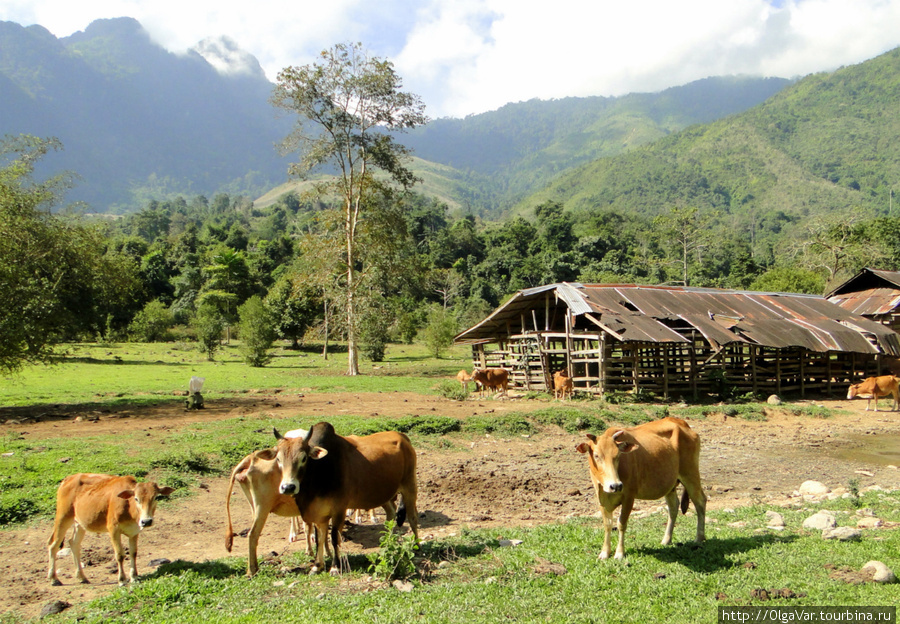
{"x": 645, "y": 462}
{"x": 875, "y": 387}
{"x": 328, "y": 474}
{"x": 98, "y": 503}
{"x": 491, "y": 379}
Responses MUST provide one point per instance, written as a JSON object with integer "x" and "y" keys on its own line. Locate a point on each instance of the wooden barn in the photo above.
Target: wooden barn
{"x": 679, "y": 342}
{"x": 873, "y": 294}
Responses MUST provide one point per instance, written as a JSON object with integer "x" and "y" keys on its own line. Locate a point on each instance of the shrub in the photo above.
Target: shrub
{"x": 439, "y": 331}
{"x": 257, "y": 332}
{"x": 152, "y": 323}
{"x": 454, "y": 391}
{"x": 395, "y": 556}
{"x": 208, "y": 324}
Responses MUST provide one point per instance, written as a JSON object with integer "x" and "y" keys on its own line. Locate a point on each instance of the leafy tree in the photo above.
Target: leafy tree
{"x": 208, "y": 324}
{"x": 685, "y": 232}
{"x": 48, "y": 267}
{"x": 348, "y": 105}
{"x": 151, "y": 323}
{"x": 439, "y": 331}
{"x": 294, "y": 307}
{"x": 256, "y": 330}
{"x": 790, "y": 280}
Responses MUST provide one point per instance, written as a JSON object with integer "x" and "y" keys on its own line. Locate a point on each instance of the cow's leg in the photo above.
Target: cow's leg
{"x": 132, "y": 554}
{"x": 607, "y": 533}
{"x": 261, "y": 514}
{"x": 672, "y": 503}
{"x": 60, "y": 528}
{"x": 337, "y": 561}
{"x": 75, "y": 546}
{"x": 115, "y": 537}
{"x": 694, "y": 490}
{"x": 624, "y": 512}
{"x": 321, "y": 537}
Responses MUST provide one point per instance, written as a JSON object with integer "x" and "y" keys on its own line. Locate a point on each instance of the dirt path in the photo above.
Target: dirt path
{"x": 492, "y": 483}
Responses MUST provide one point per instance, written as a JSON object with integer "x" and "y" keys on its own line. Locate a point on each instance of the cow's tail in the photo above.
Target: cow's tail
{"x": 229, "y": 530}
{"x": 685, "y": 499}
{"x": 401, "y": 513}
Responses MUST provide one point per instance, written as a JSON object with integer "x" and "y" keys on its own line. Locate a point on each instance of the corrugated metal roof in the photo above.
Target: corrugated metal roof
{"x": 870, "y": 292}
{"x": 635, "y": 313}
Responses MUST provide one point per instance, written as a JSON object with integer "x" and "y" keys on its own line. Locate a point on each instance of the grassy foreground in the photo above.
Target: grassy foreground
{"x": 552, "y": 576}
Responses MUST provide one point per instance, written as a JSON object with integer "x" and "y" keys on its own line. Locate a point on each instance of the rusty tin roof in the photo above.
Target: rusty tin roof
{"x": 636, "y": 313}
{"x": 870, "y": 293}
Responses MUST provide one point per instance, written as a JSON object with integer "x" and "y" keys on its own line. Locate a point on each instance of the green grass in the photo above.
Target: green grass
{"x": 136, "y": 373}
{"x": 485, "y": 582}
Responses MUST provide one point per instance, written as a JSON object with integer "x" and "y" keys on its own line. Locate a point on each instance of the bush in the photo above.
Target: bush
{"x": 257, "y": 332}
{"x": 454, "y": 391}
{"x": 439, "y": 332}
{"x": 152, "y": 323}
{"x": 208, "y": 324}
{"x": 395, "y": 556}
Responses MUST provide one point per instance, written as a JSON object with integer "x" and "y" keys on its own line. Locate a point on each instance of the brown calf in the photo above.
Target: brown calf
{"x": 464, "y": 378}
{"x": 646, "y": 463}
{"x": 562, "y": 385}
{"x": 875, "y": 387}
{"x": 491, "y": 379}
{"x": 98, "y": 503}
{"x": 328, "y": 474}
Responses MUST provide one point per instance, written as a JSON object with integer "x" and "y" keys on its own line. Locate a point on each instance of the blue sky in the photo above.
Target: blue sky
{"x": 470, "y": 56}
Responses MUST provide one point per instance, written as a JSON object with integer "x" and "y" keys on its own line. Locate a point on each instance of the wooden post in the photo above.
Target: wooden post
{"x": 754, "y": 351}
{"x": 602, "y": 362}
{"x": 828, "y": 373}
{"x": 778, "y": 372}
{"x": 569, "y": 344}
{"x": 802, "y": 373}
{"x": 665, "y": 359}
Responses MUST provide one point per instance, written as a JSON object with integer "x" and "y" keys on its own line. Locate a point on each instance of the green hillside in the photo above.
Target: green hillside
{"x": 827, "y": 143}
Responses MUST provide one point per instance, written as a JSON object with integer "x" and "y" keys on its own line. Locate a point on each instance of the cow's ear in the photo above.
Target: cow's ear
{"x": 278, "y": 436}
{"x": 627, "y": 446}
{"x": 317, "y": 452}
{"x": 267, "y": 454}
{"x": 165, "y": 491}
{"x": 592, "y": 437}
{"x": 584, "y": 447}
{"x": 126, "y": 494}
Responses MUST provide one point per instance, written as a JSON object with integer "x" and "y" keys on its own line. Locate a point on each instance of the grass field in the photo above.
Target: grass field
{"x": 552, "y": 576}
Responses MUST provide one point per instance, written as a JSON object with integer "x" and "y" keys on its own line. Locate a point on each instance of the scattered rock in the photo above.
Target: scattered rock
{"x": 740, "y": 524}
{"x": 155, "y": 563}
{"x": 774, "y": 400}
{"x": 278, "y": 584}
{"x": 505, "y": 543}
{"x": 52, "y": 608}
{"x": 813, "y": 488}
{"x": 869, "y": 523}
{"x": 774, "y": 520}
{"x": 879, "y": 572}
{"x": 821, "y": 520}
{"x": 842, "y": 534}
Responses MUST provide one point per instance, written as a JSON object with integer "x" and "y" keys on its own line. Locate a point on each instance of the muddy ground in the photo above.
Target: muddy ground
{"x": 491, "y": 483}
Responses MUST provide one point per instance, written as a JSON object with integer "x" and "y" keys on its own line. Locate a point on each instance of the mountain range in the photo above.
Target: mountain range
{"x": 138, "y": 122}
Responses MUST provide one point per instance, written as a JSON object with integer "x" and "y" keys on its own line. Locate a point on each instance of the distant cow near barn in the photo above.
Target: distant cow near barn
{"x": 464, "y": 378}
{"x": 646, "y": 463}
{"x": 562, "y": 385}
{"x": 491, "y": 379}
{"x": 876, "y": 387}
{"x": 98, "y": 503}
{"x": 328, "y": 474}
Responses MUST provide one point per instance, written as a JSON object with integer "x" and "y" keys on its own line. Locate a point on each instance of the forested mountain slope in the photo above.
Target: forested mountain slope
{"x": 829, "y": 143}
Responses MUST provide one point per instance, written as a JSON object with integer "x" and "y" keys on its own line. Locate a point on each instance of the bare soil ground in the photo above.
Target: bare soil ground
{"x": 491, "y": 483}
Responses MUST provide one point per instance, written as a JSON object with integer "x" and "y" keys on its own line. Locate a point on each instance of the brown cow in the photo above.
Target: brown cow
{"x": 491, "y": 379}
{"x": 875, "y": 387}
{"x": 562, "y": 385}
{"x": 98, "y": 503}
{"x": 464, "y": 378}
{"x": 645, "y": 462}
{"x": 328, "y": 474}
{"x": 259, "y": 476}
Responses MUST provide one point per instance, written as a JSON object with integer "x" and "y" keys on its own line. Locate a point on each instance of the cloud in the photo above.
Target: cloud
{"x": 468, "y": 56}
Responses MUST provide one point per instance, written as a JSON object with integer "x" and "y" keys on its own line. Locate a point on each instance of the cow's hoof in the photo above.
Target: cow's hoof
{"x": 55, "y": 582}
{"x": 603, "y": 556}
{"x": 335, "y": 571}
{"x": 84, "y": 581}
{"x": 619, "y": 556}
{"x": 314, "y": 570}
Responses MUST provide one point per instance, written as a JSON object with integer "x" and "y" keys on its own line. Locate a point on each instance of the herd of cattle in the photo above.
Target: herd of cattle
{"x": 318, "y": 476}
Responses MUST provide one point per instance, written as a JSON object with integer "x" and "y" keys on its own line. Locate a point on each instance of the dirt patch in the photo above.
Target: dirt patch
{"x": 490, "y": 483}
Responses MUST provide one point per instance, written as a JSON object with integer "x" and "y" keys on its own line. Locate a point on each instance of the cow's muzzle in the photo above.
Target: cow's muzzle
{"x": 146, "y": 522}
{"x": 288, "y": 488}
{"x": 614, "y": 487}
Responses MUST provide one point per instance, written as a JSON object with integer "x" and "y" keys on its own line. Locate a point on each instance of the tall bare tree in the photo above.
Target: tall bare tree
{"x": 348, "y": 105}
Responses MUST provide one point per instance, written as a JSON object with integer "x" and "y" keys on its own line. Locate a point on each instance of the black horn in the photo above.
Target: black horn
{"x": 278, "y": 436}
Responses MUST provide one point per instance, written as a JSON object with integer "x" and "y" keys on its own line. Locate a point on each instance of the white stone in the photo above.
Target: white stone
{"x": 507, "y": 543}
{"x": 869, "y": 523}
{"x": 880, "y": 572}
{"x": 813, "y": 488}
{"x": 774, "y": 520}
{"x": 842, "y": 534}
{"x": 819, "y": 521}
{"x": 403, "y": 586}
{"x": 774, "y": 400}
